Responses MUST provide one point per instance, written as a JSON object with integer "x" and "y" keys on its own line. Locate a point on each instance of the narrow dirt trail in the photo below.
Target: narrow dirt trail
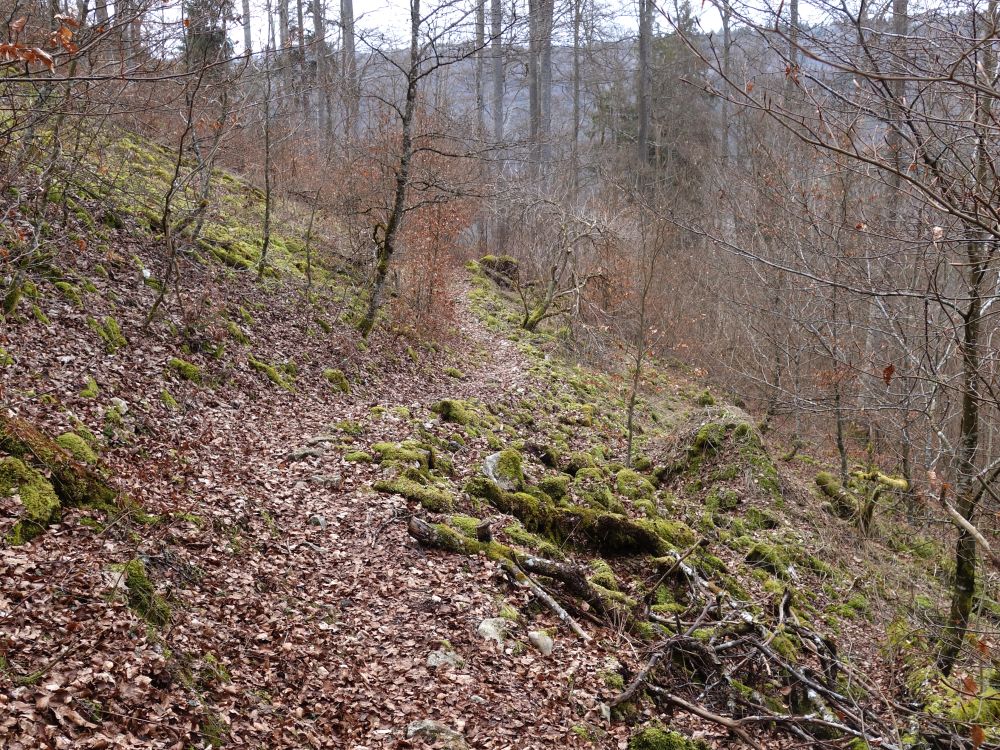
{"x": 346, "y": 609}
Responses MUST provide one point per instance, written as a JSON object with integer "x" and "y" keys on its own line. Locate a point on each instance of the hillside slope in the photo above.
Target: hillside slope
{"x": 257, "y": 582}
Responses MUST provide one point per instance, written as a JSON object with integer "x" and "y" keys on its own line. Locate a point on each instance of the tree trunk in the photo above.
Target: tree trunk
{"x": 643, "y": 81}
{"x": 480, "y": 66}
{"x": 496, "y": 50}
{"x": 386, "y": 245}
{"x": 350, "y": 65}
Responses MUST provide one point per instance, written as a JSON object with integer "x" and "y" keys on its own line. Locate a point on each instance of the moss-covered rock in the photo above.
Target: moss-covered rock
{"x": 633, "y": 485}
{"x": 38, "y": 498}
{"x": 79, "y": 447}
{"x": 358, "y": 457}
{"x": 454, "y": 410}
{"x": 185, "y": 370}
{"x": 591, "y": 487}
{"x": 90, "y": 389}
{"x": 556, "y": 487}
{"x": 454, "y": 372}
{"x": 505, "y": 470}
{"x": 337, "y": 379}
{"x": 602, "y": 575}
{"x": 70, "y": 292}
{"x": 407, "y": 452}
{"x": 579, "y": 460}
{"x": 168, "y": 400}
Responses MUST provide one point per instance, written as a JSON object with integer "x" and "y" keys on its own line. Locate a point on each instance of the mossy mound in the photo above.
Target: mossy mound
{"x": 79, "y": 447}
{"x": 280, "y": 377}
{"x": 454, "y": 410}
{"x": 38, "y": 498}
{"x": 633, "y": 485}
{"x": 109, "y": 332}
{"x": 337, "y": 379}
{"x": 726, "y": 448}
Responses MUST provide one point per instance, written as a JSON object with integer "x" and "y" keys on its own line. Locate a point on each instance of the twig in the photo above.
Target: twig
{"x": 525, "y": 580}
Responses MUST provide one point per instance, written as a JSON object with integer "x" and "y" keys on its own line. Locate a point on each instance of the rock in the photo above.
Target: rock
{"x": 333, "y": 481}
{"x": 494, "y": 629}
{"x": 317, "y": 520}
{"x": 300, "y": 453}
{"x": 443, "y": 657}
{"x": 435, "y": 731}
{"x": 121, "y": 405}
{"x": 320, "y": 439}
{"x": 504, "y": 470}
{"x": 542, "y": 641}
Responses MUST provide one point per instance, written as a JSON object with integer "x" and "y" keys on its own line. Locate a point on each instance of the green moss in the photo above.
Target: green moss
{"x": 590, "y": 486}
{"x": 705, "y": 398}
{"x": 580, "y": 460}
{"x": 70, "y": 292}
{"x": 722, "y": 499}
{"x": 40, "y": 315}
{"x": 603, "y": 575}
{"x": 521, "y": 536}
{"x": 675, "y": 533}
{"x": 634, "y": 486}
{"x": 358, "y": 457}
{"x": 434, "y": 499}
{"x": 508, "y": 468}
{"x": 5, "y": 359}
{"x": 758, "y": 518}
{"x": 770, "y": 558}
{"x": 612, "y": 680}
{"x": 169, "y": 401}
{"x": 185, "y": 370}
{"x": 454, "y": 410}
{"x": 465, "y": 524}
{"x": 90, "y": 389}
{"x": 337, "y": 379}
{"x": 786, "y": 645}
{"x": 142, "y": 596}
{"x": 454, "y": 372}
{"x": 405, "y": 453}
{"x": 78, "y": 447}
{"x": 271, "y": 372}
{"x": 236, "y": 333}
{"x": 109, "y": 332}
{"x": 509, "y": 612}
{"x": 38, "y": 499}
{"x": 555, "y": 487}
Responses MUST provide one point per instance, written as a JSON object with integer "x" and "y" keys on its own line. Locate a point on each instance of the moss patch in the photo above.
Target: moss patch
{"x": 90, "y": 389}
{"x": 185, "y": 370}
{"x": 454, "y": 410}
{"x": 142, "y": 596}
{"x": 272, "y": 373}
{"x": 337, "y": 379}
{"x": 79, "y": 447}
{"x": 434, "y": 499}
{"x": 109, "y": 332}
{"x": 38, "y": 498}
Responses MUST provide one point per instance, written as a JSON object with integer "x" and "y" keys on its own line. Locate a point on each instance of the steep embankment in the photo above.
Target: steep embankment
{"x": 257, "y": 583}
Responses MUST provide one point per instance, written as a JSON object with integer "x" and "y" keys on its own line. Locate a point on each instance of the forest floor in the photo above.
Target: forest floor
{"x": 260, "y": 588}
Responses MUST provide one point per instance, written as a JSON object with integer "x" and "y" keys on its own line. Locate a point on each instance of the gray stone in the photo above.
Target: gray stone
{"x": 436, "y": 732}
{"x": 300, "y": 453}
{"x": 317, "y": 520}
{"x": 494, "y": 629}
{"x": 333, "y": 481}
{"x": 490, "y": 469}
{"x": 542, "y": 641}
{"x": 443, "y": 657}
{"x": 121, "y": 405}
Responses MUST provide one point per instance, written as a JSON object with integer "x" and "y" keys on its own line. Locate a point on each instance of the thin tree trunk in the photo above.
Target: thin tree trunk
{"x": 496, "y": 50}
{"x": 644, "y": 81}
{"x": 350, "y": 65}
{"x": 480, "y": 66}
{"x": 387, "y": 243}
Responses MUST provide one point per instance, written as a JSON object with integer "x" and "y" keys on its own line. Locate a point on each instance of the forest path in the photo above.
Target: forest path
{"x": 355, "y": 608}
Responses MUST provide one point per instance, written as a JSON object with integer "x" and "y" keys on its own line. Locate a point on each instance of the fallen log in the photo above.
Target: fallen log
{"x": 74, "y": 482}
